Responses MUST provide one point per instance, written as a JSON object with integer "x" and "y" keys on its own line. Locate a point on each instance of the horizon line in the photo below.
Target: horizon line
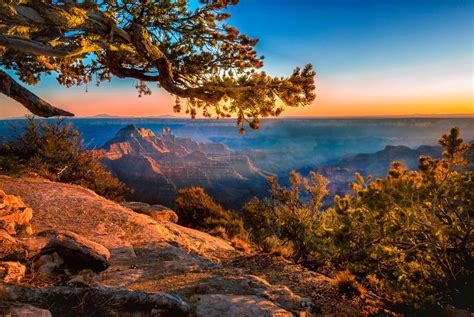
{"x": 172, "y": 117}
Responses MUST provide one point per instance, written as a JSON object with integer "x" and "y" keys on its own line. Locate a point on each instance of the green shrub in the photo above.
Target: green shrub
{"x": 408, "y": 236}
{"x": 56, "y": 152}
{"x": 413, "y": 229}
{"x": 196, "y": 209}
{"x": 291, "y": 215}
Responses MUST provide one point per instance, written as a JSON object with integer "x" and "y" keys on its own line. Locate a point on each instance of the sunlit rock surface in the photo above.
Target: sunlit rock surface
{"x": 161, "y": 267}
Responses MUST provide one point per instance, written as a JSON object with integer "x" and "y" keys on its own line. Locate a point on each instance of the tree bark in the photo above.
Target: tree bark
{"x": 37, "y": 106}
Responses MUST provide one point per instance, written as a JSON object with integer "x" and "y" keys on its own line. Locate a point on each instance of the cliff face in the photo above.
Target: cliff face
{"x": 156, "y": 166}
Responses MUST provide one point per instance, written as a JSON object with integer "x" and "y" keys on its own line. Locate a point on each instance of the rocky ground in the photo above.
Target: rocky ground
{"x": 70, "y": 252}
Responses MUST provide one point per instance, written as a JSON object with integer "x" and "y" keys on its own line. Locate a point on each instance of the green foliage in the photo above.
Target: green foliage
{"x": 407, "y": 236}
{"x": 287, "y": 216}
{"x": 196, "y": 209}
{"x": 184, "y": 47}
{"x": 56, "y": 152}
{"x": 413, "y": 229}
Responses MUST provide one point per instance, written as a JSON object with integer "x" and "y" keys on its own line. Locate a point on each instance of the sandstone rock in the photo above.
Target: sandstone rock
{"x": 120, "y": 298}
{"x": 218, "y": 305}
{"x": 52, "y": 249}
{"x": 8, "y": 244}
{"x": 28, "y": 311}
{"x": 157, "y": 212}
{"x": 253, "y": 285}
{"x": 27, "y": 248}
{"x": 120, "y": 230}
{"x": 12, "y": 272}
{"x": 77, "y": 252}
{"x": 15, "y": 216}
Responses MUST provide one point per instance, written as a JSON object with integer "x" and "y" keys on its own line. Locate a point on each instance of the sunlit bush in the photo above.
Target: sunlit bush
{"x": 291, "y": 215}
{"x": 413, "y": 229}
{"x": 55, "y": 151}
{"x": 196, "y": 209}
{"x": 408, "y": 236}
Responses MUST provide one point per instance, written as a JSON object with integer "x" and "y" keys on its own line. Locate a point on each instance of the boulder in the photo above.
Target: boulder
{"x": 52, "y": 249}
{"x": 12, "y": 272}
{"x": 15, "y": 216}
{"x": 157, "y": 212}
{"x": 219, "y": 305}
{"x": 28, "y": 311}
{"x": 76, "y": 252}
{"x": 8, "y": 245}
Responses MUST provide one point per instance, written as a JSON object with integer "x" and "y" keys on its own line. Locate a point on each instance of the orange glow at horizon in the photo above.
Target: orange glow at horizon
{"x": 338, "y": 97}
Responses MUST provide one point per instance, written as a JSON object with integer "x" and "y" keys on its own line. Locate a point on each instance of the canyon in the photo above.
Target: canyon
{"x": 157, "y": 166}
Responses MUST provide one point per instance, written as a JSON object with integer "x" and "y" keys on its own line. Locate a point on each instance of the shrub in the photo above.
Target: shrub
{"x": 347, "y": 284}
{"x": 412, "y": 231}
{"x": 56, "y": 152}
{"x": 408, "y": 235}
{"x": 291, "y": 215}
{"x": 196, "y": 209}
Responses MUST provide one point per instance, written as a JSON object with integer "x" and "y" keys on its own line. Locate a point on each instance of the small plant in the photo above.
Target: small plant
{"x": 347, "y": 284}
{"x": 290, "y": 215}
{"x": 56, "y": 151}
{"x": 196, "y": 209}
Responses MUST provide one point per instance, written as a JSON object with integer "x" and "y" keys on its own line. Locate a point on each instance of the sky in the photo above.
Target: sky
{"x": 396, "y": 57}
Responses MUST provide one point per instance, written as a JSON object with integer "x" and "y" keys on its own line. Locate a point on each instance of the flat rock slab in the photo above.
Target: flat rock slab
{"x": 156, "y": 248}
{"x": 219, "y": 305}
{"x": 80, "y": 210}
{"x": 28, "y": 311}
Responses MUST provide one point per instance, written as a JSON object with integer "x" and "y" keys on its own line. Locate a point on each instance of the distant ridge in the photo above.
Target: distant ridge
{"x": 403, "y": 116}
{"x": 107, "y": 116}
{"x": 103, "y": 116}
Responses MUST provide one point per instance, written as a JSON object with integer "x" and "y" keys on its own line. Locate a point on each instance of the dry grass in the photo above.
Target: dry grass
{"x": 241, "y": 245}
{"x": 276, "y": 247}
{"x": 36, "y": 278}
{"x": 347, "y": 284}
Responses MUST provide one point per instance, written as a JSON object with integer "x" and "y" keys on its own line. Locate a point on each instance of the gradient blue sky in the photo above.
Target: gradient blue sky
{"x": 372, "y": 58}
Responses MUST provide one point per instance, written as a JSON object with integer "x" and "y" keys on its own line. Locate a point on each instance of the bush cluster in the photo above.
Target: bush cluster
{"x": 196, "y": 209}
{"x": 55, "y": 151}
{"x": 291, "y": 216}
{"x": 408, "y": 235}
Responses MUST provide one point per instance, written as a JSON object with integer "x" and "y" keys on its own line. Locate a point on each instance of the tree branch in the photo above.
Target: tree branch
{"x": 37, "y": 106}
{"x": 36, "y": 48}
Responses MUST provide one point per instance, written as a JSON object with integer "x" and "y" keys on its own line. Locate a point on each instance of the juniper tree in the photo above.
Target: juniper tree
{"x": 190, "y": 52}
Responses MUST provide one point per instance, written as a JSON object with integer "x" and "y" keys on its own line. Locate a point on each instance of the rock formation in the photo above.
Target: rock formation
{"x": 155, "y": 268}
{"x": 156, "y": 212}
{"x": 156, "y": 166}
{"x": 14, "y": 215}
